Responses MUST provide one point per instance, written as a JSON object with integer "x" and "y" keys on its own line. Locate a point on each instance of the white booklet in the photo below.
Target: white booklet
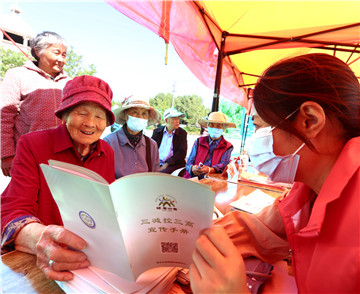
{"x": 254, "y": 202}
{"x": 138, "y": 222}
{"x": 94, "y": 280}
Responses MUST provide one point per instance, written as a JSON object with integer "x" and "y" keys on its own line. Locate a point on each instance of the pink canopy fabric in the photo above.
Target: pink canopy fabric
{"x": 250, "y": 35}
{"x": 180, "y": 23}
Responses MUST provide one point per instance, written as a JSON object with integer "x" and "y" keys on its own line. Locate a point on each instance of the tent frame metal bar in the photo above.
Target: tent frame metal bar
{"x": 302, "y": 36}
{"x": 299, "y": 39}
{"x": 222, "y": 54}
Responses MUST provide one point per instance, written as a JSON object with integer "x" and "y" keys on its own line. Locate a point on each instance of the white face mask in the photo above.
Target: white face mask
{"x": 136, "y": 124}
{"x": 215, "y": 133}
{"x": 277, "y": 168}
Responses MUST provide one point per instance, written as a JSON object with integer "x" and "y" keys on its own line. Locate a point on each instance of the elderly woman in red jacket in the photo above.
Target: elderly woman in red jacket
{"x": 312, "y": 106}
{"x": 30, "y": 218}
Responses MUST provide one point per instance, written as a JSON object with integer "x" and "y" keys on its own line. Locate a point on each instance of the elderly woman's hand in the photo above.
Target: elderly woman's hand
{"x": 60, "y": 246}
{"x": 197, "y": 170}
{"x": 56, "y": 249}
{"x": 218, "y": 267}
{"x": 6, "y": 164}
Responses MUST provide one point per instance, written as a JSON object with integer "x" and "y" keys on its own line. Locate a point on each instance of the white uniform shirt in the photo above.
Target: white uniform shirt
{"x": 166, "y": 146}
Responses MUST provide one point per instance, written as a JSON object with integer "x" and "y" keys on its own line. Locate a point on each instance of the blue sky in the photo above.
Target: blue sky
{"x": 128, "y": 56}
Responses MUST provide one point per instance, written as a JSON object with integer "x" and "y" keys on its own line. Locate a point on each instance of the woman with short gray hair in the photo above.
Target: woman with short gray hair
{"x": 31, "y": 93}
{"x": 43, "y": 41}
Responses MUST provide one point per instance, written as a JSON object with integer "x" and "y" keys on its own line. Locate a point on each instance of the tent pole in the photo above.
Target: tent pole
{"x": 215, "y": 104}
{"x": 247, "y": 114}
{"x": 244, "y": 131}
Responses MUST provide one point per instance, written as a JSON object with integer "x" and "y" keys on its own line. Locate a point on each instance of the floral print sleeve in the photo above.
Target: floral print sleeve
{"x": 12, "y": 229}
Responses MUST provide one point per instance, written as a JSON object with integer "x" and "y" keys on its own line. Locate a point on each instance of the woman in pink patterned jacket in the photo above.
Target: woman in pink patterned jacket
{"x": 30, "y": 94}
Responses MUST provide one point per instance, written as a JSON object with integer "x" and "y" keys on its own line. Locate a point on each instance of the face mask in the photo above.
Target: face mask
{"x": 277, "y": 168}
{"x": 215, "y": 133}
{"x": 136, "y": 124}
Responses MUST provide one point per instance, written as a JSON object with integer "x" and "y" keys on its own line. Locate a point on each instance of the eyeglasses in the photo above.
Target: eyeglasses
{"x": 268, "y": 129}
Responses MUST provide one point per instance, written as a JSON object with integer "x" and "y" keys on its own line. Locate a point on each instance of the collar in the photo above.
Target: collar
{"x": 215, "y": 142}
{"x": 133, "y": 139}
{"x": 32, "y": 66}
{"x": 345, "y": 167}
{"x": 123, "y": 139}
{"x": 171, "y": 134}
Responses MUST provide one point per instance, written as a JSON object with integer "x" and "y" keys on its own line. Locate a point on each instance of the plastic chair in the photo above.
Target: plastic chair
{"x": 179, "y": 172}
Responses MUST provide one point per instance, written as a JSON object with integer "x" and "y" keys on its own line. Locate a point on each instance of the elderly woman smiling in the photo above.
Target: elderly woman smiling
{"x": 30, "y": 218}
{"x": 31, "y": 94}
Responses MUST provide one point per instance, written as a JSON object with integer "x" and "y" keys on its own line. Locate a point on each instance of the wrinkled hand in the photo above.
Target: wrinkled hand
{"x": 197, "y": 171}
{"x": 6, "y": 164}
{"x": 60, "y": 245}
{"x": 217, "y": 265}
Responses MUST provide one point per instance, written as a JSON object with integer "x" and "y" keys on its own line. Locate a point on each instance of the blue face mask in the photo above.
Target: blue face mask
{"x": 215, "y": 133}
{"x": 136, "y": 124}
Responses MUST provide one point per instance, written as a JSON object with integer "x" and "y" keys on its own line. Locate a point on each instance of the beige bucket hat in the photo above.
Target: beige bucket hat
{"x": 218, "y": 118}
{"x": 154, "y": 115}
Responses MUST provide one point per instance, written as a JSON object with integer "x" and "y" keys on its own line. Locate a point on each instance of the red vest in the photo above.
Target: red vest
{"x": 203, "y": 151}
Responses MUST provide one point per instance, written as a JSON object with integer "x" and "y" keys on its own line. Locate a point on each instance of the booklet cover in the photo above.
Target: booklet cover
{"x": 138, "y": 222}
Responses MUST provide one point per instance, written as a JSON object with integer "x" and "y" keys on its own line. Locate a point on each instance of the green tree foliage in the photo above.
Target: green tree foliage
{"x": 232, "y": 110}
{"x": 161, "y": 101}
{"x": 10, "y": 59}
{"x": 74, "y": 65}
{"x": 191, "y": 105}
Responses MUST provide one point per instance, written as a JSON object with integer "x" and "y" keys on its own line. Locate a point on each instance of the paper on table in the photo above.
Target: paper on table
{"x": 254, "y": 202}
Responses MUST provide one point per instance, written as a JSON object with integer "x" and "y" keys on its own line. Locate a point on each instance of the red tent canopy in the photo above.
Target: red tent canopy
{"x": 250, "y": 35}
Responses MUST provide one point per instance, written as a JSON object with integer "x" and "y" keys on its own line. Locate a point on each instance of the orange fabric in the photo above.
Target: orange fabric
{"x": 261, "y": 235}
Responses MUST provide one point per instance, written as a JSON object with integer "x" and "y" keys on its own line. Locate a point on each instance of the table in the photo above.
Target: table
{"x": 226, "y": 192}
{"x": 21, "y": 275}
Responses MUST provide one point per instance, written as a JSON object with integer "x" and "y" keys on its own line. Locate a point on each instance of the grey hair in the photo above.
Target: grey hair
{"x": 43, "y": 41}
